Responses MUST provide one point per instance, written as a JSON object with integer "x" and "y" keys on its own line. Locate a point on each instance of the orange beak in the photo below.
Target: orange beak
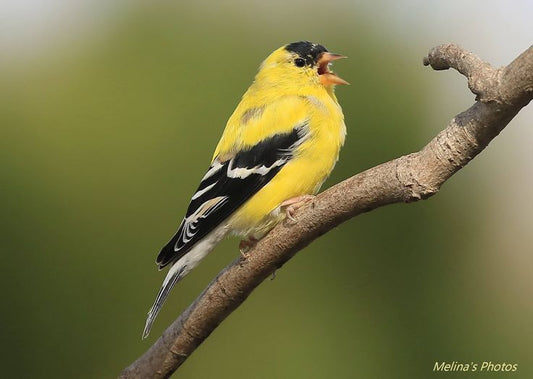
{"x": 327, "y": 77}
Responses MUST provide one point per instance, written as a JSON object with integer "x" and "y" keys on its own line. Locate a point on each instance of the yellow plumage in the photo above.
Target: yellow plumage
{"x": 281, "y": 97}
{"x": 281, "y": 142}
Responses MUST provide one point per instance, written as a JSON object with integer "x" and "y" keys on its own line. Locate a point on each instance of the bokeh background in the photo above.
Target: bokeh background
{"x": 109, "y": 112}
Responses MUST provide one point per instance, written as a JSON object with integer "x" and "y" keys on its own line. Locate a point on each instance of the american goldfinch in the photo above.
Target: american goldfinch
{"x": 277, "y": 149}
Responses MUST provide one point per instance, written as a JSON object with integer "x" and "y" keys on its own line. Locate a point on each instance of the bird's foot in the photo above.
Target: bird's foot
{"x": 292, "y": 205}
{"x": 246, "y": 245}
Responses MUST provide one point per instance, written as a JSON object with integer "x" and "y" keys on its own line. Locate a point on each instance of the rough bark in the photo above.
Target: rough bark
{"x": 500, "y": 94}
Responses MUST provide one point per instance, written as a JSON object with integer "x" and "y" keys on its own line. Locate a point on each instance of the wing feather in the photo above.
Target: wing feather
{"x": 227, "y": 185}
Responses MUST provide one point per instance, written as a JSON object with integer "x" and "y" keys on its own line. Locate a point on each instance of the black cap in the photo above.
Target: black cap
{"x": 308, "y": 51}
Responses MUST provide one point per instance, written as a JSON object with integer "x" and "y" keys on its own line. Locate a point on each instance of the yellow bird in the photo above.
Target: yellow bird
{"x": 279, "y": 146}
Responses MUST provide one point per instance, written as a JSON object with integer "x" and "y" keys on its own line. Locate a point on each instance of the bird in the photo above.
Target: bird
{"x": 277, "y": 149}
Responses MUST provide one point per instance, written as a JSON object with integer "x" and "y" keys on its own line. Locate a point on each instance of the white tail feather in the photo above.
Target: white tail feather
{"x": 181, "y": 268}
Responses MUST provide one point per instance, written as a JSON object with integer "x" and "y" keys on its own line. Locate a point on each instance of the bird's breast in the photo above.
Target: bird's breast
{"x": 313, "y": 161}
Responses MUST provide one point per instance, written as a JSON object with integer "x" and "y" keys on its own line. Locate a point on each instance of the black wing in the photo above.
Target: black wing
{"x": 227, "y": 185}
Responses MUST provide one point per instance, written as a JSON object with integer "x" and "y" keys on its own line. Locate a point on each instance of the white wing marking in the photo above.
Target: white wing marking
{"x": 201, "y": 192}
{"x": 213, "y": 169}
{"x": 244, "y": 172}
{"x": 190, "y": 223}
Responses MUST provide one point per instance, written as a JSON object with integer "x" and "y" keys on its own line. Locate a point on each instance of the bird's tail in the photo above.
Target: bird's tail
{"x": 175, "y": 273}
{"x": 179, "y": 269}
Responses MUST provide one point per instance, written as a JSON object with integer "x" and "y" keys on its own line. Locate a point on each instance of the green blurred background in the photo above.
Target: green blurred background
{"x": 109, "y": 112}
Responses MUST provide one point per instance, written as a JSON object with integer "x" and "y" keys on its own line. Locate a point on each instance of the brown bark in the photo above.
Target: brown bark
{"x": 500, "y": 94}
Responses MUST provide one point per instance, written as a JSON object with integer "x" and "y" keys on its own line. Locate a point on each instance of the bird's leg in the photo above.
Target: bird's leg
{"x": 292, "y": 205}
{"x": 246, "y": 245}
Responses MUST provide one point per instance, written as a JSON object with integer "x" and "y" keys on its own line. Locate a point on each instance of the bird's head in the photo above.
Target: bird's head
{"x": 300, "y": 64}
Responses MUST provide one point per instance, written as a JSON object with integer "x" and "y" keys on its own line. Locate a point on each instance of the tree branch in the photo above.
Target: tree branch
{"x": 500, "y": 94}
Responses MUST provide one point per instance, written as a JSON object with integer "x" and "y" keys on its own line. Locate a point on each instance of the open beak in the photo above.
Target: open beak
{"x": 326, "y": 76}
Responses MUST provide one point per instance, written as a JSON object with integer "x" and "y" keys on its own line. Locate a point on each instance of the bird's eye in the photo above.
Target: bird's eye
{"x": 299, "y": 62}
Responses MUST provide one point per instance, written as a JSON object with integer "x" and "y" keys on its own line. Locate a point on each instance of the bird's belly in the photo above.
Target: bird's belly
{"x": 303, "y": 175}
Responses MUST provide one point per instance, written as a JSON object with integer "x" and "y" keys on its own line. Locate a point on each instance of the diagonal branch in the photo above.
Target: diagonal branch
{"x": 500, "y": 94}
